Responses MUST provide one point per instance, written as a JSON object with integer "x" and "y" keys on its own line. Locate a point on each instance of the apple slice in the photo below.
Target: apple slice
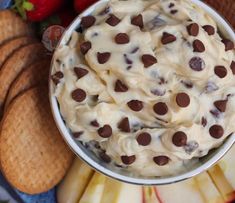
{"x": 72, "y": 187}
{"x": 182, "y": 192}
{"x": 149, "y": 195}
{"x": 208, "y": 189}
{"x": 227, "y": 165}
{"x": 118, "y": 192}
{"x": 221, "y": 183}
{"x": 94, "y": 190}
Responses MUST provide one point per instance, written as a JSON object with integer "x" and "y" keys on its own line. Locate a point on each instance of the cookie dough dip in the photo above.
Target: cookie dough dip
{"x": 149, "y": 86}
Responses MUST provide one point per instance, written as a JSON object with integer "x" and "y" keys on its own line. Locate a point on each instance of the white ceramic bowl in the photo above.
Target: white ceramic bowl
{"x": 117, "y": 173}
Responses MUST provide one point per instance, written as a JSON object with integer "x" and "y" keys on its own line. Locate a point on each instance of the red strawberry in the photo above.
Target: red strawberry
{"x": 66, "y": 16}
{"x": 63, "y": 18}
{"x": 37, "y": 10}
{"x": 81, "y": 5}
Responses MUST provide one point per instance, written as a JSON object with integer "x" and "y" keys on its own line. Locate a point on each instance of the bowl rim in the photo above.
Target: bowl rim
{"x": 96, "y": 166}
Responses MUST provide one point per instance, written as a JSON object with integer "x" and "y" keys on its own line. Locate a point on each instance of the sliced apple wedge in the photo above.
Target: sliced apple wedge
{"x": 208, "y": 189}
{"x": 182, "y": 192}
{"x": 72, "y": 187}
{"x": 149, "y": 195}
{"x": 117, "y": 192}
{"x": 221, "y": 183}
{"x": 94, "y": 190}
{"x": 227, "y": 165}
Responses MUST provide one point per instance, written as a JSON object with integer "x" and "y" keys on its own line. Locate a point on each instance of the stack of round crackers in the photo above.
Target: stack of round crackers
{"x": 33, "y": 155}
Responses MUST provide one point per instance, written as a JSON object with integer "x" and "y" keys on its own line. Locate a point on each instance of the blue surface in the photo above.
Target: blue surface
{"x": 5, "y": 4}
{"x": 47, "y": 197}
{"x": 9, "y": 189}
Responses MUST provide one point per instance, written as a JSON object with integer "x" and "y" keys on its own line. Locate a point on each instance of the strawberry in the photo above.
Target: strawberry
{"x": 37, "y": 10}
{"x": 81, "y": 5}
{"x": 66, "y": 16}
{"x": 63, "y": 18}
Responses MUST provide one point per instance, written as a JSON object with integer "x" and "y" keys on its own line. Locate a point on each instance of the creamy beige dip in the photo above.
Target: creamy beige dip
{"x": 151, "y": 81}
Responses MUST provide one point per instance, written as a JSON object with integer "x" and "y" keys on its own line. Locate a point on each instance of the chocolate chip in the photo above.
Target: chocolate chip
{"x": 198, "y": 46}
{"x": 232, "y": 66}
{"x": 135, "y": 105}
{"x": 80, "y": 72}
{"x": 211, "y": 87}
{"x": 167, "y": 38}
{"x": 134, "y": 50}
{"x": 190, "y": 147}
{"x": 122, "y": 38}
{"x": 120, "y": 86}
{"x": 179, "y": 139}
{"x": 204, "y": 122}
{"x": 97, "y": 145}
{"x": 144, "y": 139}
{"x": 113, "y": 20}
{"x": 94, "y": 98}
{"x": 79, "y": 29}
{"x": 171, "y": 5}
{"x": 78, "y": 95}
{"x": 77, "y": 135}
{"x": 85, "y": 47}
{"x": 124, "y": 125}
{"x": 127, "y": 60}
{"x": 117, "y": 165}
{"x": 95, "y": 123}
{"x": 197, "y": 63}
{"x": 215, "y": 113}
{"x": 220, "y": 71}
{"x": 103, "y": 57}
{"x": 87, "y": 21}
{"x": 138, "y": 21}
{"x": 57, "y": 77}
{"x": 161, "y": 160}
{"x": 182, "y": 99}
{"x": 221, "y": 105}
{"x": 95, "y": 34}
{"x": 128, "y": 160}
{"x": 155, "y": 22}
{"x": 187, "y": 84}
{"x": 106, "y": 158}
{"x": 160, "y": 108}
{"x": 105, "y": 131}
{"x": 105, "y": 11}
{"x": 229, "y": 45}
{"x": 58, "y": 61}
{"x": 162, "y": 81}
{"x": 216, "y": 131}
{"x": 158, "y": 92}
{"x": 193, "y": 29}
{"x": 174, "y": 11}
{"x": 148, "y": 60}
{"x": 209, "y": 29}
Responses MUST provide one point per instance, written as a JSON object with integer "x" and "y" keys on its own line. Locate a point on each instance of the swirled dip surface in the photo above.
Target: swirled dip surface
{"x": 151, "y": 81}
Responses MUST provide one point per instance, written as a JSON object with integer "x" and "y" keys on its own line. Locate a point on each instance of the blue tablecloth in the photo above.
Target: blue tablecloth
{"x": 9, "y": 195}
{"x": 5, "y": 4}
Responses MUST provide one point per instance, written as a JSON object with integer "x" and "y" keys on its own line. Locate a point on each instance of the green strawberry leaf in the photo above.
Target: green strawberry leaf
{"x": 28, "y": 6}
{"x": 17, "y": 7}
{"x": 22, "y": 6}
